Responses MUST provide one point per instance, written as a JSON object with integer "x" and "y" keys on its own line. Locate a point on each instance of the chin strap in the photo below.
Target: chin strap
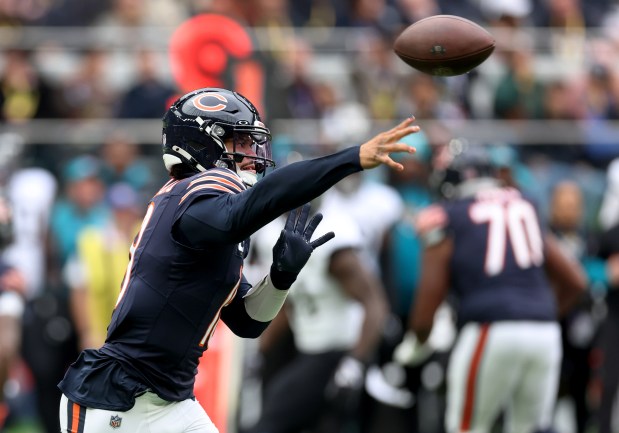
{"x": 248, "y": 178}
{"x": 189, "y": 158}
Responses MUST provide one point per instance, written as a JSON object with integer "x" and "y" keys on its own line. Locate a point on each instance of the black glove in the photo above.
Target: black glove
{"x": 344, "y": 390}
{"x": 293, "y": 248}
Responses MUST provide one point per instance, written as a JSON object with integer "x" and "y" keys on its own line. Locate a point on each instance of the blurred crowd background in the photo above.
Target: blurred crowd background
{"x": 83, "y": 85}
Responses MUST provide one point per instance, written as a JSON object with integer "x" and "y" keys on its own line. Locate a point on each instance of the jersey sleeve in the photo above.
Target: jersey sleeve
{"x": 213, "y": 183}
{"x": 215, "y": 214}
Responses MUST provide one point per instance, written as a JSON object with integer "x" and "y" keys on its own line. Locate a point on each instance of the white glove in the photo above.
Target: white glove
{"x": 410, "y": 352}
{"x": 343, "y": 392}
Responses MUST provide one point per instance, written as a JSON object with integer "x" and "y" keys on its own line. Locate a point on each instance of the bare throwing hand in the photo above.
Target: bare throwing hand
{"x": 376, "y": 151}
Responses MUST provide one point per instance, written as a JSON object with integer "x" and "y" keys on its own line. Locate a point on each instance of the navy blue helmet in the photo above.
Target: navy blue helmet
{"x": 198, "y": 123}
{"x": 467, "y": 161}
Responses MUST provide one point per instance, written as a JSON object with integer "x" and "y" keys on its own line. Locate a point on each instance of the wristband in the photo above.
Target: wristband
{"x": 282, "y": 280}
{"x": 264, "y": 300}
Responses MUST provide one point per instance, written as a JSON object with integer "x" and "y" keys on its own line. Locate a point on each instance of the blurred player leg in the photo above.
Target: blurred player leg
{"x": 534, "y": 399}
{"x": 294, "y": 399}
{"x": 478, "y": 385}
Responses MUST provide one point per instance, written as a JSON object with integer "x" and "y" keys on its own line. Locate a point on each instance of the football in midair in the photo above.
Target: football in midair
{"x": 444, "y": 45}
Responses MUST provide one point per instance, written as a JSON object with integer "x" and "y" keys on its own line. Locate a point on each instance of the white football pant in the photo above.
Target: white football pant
{"x": 150, "y": 414}
{"x": 504, "y": 366}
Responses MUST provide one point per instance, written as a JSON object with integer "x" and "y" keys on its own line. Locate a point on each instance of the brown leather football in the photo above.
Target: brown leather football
{"x": 444, "y": 45}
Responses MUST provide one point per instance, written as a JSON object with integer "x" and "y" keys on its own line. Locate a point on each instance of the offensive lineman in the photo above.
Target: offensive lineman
{"x": 185, "y": 270}
{"x": 486, "y": 245}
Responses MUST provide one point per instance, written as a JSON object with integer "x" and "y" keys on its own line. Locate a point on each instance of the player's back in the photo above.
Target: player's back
{"x": 497, "y": 266}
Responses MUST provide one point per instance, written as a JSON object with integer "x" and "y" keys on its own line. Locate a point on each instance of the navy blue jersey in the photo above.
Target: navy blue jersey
{"x": 184, "y": 275}
{"x": 497, "y": 264}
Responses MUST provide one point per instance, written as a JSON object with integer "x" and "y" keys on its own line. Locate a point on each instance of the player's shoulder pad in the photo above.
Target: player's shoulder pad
{"x": 216, "y": 180}
{"x": 431, "y": 224}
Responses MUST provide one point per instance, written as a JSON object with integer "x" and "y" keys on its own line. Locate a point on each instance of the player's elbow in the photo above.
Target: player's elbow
{"x": 249, "y": 330}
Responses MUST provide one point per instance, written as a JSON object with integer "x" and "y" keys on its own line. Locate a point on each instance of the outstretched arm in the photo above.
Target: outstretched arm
{"x": 230, "y": 218}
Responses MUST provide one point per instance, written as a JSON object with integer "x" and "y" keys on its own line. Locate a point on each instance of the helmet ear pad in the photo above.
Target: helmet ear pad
{"x": 192, "y": 145}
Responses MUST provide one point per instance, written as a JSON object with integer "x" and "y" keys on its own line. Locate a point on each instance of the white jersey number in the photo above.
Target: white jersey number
{"x": 514, "y": 221}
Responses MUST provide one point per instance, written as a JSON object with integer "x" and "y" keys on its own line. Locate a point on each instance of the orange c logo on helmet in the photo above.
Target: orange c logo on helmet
{"x": 199, "y": 104}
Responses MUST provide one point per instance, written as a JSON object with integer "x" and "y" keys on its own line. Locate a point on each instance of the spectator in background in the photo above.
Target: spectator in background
{"x": 312, "y": 13}
{"x": 375, "y": 76}
{"x": 601, "y": 104}
{"x": 24, "y": 94}
{"x": 272, "y": 16}
{"x": 142, "y": 13}
{"x": 506, "y": 13}
{"x": 300, "y": 96}
{"x": 81, "y": 205}
{"x": 377, "y": 14}
{"x": 122, "y": 161}
{"x": 519, "y": 92}
{"x": 560, "y": 104}
{"x": 87, "y": 94}
{"x": 96, "y": 271}
{"x": 426, "y": 97}
{"x": 148, "y": 97}
{"x": 415, "y": 10}
{"x": 67, "y": 12}
{"x": 579, "y": 325}
{"x": 570, "y": 14}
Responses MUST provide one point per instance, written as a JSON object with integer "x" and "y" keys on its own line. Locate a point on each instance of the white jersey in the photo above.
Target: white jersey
{"x": 31, "y": 192}
{"x": 322, "y": 316}
{"x": 375, "y": 207}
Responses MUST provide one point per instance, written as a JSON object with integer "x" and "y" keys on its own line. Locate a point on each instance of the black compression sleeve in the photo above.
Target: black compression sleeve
{"x": 233, "y": 218}
{"x": 292, "y": 186}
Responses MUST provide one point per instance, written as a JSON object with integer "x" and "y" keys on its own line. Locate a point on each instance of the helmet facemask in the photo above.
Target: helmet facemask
{"x": 249, "y": 152}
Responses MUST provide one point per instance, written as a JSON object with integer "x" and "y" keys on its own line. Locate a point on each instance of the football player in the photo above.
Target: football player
{"x": 185, "y": 270}
{"x": 338, "y": 291}
{"x": 487, "y": 246}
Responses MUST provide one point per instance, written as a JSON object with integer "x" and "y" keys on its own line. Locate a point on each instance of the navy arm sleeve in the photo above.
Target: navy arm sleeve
{"x": 231, "y": 218}
{"x": 236, "y": 318}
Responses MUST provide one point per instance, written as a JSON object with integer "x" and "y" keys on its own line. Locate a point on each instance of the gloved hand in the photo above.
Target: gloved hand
{"x": 293, "y": 248}
{"x": 410, "y": 352}
{"x": 343, "y": 392}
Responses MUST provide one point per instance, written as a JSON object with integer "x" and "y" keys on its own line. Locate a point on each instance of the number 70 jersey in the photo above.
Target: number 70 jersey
{"x": 497, "y": 266}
